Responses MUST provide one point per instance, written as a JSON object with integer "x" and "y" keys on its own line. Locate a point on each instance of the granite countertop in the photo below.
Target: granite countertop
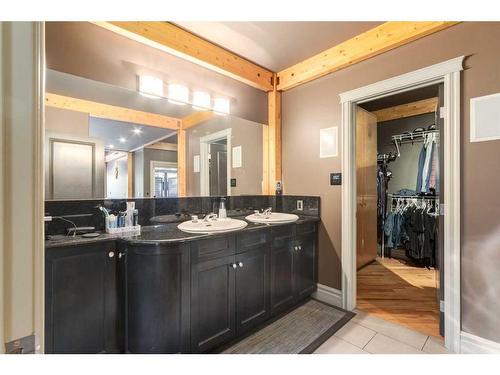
{"x": 156, "y": 234}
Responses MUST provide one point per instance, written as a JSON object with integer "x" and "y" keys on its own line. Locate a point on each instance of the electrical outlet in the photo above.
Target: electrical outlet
{"x": 300, "y": 205}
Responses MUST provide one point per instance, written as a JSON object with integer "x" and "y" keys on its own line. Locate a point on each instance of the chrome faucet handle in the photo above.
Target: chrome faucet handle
{"x": 256, "y": 212}
{"x": 210, "y": 216}
{"x": 267, "y": 211}
{"x": 194, "y": 218}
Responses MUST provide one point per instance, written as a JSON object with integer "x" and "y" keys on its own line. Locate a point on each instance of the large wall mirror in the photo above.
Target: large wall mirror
{"x": 105, "y": 141}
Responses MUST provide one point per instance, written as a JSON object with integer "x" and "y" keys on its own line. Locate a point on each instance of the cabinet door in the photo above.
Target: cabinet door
{"x": 305, "y": 266}
{"x": 80, "y": 299}
{"x": 212, "y": 303}
{"x": 282, "y": 295}
{"x": 252, "y": 288}
{"x": 157, "y": 294}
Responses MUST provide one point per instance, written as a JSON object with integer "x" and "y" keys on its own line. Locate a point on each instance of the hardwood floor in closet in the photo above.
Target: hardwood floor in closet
{"x": 394, "y": 291}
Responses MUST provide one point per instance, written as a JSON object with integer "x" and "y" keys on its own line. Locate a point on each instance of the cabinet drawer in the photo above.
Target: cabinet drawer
{"x": 252, "y": 240}
{"x": 306, "y": 228}
{"x": 212, "y": 248}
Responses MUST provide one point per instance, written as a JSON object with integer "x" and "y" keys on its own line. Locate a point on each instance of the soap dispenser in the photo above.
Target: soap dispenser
{"x": 222, "y": 209}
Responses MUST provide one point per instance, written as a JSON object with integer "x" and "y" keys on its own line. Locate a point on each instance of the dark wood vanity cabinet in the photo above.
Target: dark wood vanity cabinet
{"x": 293, "y": 265}
{"x": 252, "y": 280}
{"x": 179, "y": 297}
{"x": 156, "y": 298}
{"x": 304, "y": 260}
{"x": 229, "y": 287}
{"x": 81, "y": 299}
{"x": 282, "y": 271}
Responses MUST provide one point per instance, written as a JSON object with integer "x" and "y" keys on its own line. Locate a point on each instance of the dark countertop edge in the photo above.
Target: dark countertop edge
{"x": 127, "y": 237}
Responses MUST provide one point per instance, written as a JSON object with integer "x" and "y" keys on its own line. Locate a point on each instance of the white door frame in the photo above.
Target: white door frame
{"x": 158, "y": 164}
{"x": 204, "y": 164}
{"x": 447, "y": 72}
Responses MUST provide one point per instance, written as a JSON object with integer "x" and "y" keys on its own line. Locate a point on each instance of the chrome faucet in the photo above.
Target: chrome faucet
{"x": 210, "y": 216}
{"x": 267, "y": 211}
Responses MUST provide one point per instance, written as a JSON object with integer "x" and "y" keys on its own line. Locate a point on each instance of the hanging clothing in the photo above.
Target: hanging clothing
{"x": 429, "y": 151}
{"x": 420, "y": 168}
{"x": 434, "y": 177}
{"x": 424, "y": 167}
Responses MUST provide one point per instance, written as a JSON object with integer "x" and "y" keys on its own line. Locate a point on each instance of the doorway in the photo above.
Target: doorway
{"x": 399, "y": 252}
{"x": 215, "y": 163}
{"x": 163, "y": 179}
{"x": 448, "y": 73}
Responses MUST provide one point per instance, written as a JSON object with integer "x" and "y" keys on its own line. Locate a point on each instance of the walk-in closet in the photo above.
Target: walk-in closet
{"x": 399, "y": 163}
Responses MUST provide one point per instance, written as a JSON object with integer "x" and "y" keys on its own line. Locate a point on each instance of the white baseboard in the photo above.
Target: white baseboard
{"x": 471, "y": 344}
{"x": 328, "y": 295}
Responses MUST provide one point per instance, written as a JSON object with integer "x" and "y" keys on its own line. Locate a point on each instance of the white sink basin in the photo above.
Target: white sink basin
{"x": 273, "y": 218}
{"x": 212, "y": 226}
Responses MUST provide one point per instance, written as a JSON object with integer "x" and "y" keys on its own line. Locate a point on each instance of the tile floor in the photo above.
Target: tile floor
{"x": 368, "y": 334}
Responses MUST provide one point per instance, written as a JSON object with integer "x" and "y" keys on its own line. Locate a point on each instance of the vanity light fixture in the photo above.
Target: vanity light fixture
{"x": 178, "y": 94}
{"x": 123, "y": 140}
{"x": 222, "y": 106}
{"x": 150, "y": 86}
{"x": 201, "y": 100}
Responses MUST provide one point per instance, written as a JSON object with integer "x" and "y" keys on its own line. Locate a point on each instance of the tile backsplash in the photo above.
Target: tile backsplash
{"x": 164, "y": 210}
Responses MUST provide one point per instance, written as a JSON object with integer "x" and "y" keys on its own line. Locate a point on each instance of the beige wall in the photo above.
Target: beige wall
{"x": 22, "y": 166}
{"x": 246, "y": 134}
{"x": 313, "y": 106}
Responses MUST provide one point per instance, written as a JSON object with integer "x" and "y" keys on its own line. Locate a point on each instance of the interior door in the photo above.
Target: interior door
{"x": 218, "y": 169}
{"x": 366, "y": 182}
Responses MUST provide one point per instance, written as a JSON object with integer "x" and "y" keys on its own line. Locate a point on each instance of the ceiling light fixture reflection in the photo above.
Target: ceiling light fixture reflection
{"x": 137, "y": 131}
{"x": 123, "y": 140}
{"x": 178, "y": 94}
{"x": 222, "y": 106}
{"x": 111, "y": 146}
{"x": 201, "y": 100}
{"x": 151, "y": 87}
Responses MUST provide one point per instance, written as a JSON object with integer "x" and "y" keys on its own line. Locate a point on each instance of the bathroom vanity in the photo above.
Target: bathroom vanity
{"x": 166, "y": 291}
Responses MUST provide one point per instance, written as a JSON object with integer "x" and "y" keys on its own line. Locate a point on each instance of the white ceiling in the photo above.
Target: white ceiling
{"x": 277, "y": 45}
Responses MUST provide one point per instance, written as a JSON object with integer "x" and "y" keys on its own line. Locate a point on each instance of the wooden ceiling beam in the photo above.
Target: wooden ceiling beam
{"x": 111, "y": 112}
{"x": 373, "y": 42}
{"x": 163, "y": 146}
{"x": 196, "y": 119}
{"x": 407, "y": 110}
{"x": 181, "y": 43}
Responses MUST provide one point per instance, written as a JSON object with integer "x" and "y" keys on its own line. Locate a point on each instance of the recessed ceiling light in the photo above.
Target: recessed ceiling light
{"x": 137, "y": 131}
{"x": 111, "y": 146}
{"x": 123, "y": 140}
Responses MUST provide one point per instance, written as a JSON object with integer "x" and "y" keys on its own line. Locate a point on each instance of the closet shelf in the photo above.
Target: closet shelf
{"x": 413, "y": 136}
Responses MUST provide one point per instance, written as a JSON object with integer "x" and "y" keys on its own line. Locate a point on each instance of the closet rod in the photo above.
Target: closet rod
{"x": 413, "y": 135}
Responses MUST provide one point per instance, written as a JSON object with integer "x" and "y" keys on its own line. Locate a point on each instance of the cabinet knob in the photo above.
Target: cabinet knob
{"x": 120, "y": 255}
{"x": 111, "y": 254}
{"x": 296, "y": 248}
{"x": 300, "y": 247}
{"x": 234, "y": 265}
{"x": 240, "y": 264}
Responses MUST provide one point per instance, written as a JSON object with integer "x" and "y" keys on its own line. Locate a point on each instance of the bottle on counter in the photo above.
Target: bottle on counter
{"x": 222, "y": 209}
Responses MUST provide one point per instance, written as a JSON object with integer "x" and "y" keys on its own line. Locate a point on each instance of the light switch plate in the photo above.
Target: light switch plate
{"x": 300, "y": 205}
